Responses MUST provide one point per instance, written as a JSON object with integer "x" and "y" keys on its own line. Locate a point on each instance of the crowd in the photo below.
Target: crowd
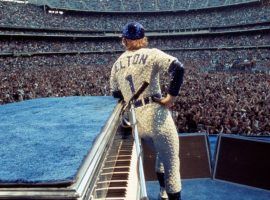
{"x": 22, "y": 45}
{"x": 220, "y": 101}
{"x": 209, "y": 102}
{"x": 55, "y": 61}
{"x": 78, "y": 33}
{"x": 211, "y": 41}
{"x": 143, "y": 5}
{"x": 45, "y": 76}
{"x": 28, "y": 15}
{"x": 224, "y": 103}
{"x": 72, "y": 33}
{"x": 237, "y": 28}
{"x": 29, "y": 45}
{"x": 206, "y": 60}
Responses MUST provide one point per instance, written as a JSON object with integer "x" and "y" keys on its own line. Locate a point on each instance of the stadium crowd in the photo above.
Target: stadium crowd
{"x": 183, "y": 41}
{"x": 143, "y": 5}
{"x": 209, "y": 101}
{"x": 25, "y": 78}
{"x": 224, "y": 103}
{"x": 36, "y": 17}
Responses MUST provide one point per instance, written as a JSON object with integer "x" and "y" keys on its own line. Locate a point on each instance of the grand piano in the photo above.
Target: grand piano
{"x": 108, "y": 170}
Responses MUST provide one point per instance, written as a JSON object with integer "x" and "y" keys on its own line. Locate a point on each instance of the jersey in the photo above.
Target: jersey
{"x": 132, "y": 68}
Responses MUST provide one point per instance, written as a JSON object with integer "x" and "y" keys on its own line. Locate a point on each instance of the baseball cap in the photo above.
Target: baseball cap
{"x": 133, "y": 31}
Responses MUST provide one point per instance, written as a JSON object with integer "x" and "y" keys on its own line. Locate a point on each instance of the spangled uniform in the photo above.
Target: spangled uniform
{"x": 128, "y": 73}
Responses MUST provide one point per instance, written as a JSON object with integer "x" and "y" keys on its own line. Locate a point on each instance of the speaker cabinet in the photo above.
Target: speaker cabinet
{"x": 243, "y": 160}
{"x": 195, "y": 159}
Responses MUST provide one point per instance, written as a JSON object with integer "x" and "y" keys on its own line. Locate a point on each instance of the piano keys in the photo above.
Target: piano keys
{"x": 118, "y": 178}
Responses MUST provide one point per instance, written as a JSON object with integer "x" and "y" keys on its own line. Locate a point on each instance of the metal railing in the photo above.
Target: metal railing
{"x": 143, "y": 192}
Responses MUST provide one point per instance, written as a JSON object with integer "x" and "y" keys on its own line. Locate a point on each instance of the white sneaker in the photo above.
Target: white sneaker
{"x": 162, "y": 194}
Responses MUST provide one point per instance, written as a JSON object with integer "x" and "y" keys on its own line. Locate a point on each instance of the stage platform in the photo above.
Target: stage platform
{"x": 208, "y": 189}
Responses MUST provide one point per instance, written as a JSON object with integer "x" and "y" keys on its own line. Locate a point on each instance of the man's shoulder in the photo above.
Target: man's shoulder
{"x": 151, "y": 52}
{"x": 119, "y": 58}
{"x": 149, "y": 49}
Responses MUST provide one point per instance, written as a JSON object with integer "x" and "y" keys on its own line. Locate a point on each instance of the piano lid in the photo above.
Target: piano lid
{"x": 45, "y": 141}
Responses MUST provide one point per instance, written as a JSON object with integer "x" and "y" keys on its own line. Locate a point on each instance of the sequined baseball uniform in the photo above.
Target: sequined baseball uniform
{"x": 154, "y": 120}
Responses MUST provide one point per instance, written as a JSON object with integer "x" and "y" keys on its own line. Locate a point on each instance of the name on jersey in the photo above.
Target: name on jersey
{"x": 128, "y": 61}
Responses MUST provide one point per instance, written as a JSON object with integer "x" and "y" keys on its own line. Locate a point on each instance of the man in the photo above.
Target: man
{"x": 136, "y": 65}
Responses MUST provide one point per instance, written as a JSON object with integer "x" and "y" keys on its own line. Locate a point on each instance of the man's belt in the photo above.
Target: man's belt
{"x": 146, "y": 100}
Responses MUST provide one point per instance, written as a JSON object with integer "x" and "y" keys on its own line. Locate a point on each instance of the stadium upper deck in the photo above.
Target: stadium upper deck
{"x": 136, "y": 6}
{"x": 28, "y": 15}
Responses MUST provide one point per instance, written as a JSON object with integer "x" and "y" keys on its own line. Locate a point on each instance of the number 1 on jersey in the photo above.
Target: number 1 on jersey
{"x": 131, "y": 84}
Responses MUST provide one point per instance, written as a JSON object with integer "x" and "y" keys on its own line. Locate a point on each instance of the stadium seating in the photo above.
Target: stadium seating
{"x": 28, "y": 15}
{"x": 143, "y": 5}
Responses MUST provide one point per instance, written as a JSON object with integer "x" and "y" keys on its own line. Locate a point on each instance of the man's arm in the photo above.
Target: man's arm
{"x": 115, "y": 91}
{"x": 176, "y": 70}
{"x": 117, "y": 94}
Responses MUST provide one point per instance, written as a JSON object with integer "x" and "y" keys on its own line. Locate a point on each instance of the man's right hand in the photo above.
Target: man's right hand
{"x": 166, "y": 101}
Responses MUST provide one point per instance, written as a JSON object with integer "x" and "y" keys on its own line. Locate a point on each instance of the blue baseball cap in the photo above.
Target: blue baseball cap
{"x": 133, "y": 31}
